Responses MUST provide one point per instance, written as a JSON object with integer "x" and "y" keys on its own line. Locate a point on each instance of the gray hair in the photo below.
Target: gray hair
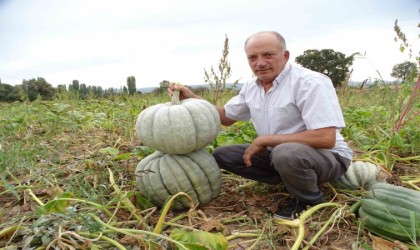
{"x": 279, "y": 37}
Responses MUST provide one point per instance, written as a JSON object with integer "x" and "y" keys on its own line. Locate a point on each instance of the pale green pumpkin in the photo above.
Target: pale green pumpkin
{"x": 361, "y": 174}
{"x": 178, "y": 127}
{"x": 160, "y": 176}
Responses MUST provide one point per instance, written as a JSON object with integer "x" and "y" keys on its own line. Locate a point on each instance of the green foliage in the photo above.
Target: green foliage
{"x": 406, "y": 71}
{"x": 9, "y": 93}
{"x": 163, "y": 85}
{"x": 331, "y": 63}
{"x": 69, "y": 143}
{"x": 371, "y": 117}
{"x": 39, "y": 87}
{"x": 239, "y": 133}
{"x": 131, "y": 85}
{"x": 75, "y": 85}
{"x": 56, "y": 205}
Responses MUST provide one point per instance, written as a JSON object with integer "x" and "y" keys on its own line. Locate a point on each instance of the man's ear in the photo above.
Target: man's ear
{"x": 286, "y": 55}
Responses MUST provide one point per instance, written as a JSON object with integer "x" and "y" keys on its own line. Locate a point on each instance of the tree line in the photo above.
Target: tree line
{"x": 327, "y": 61}
{"x": 35, "y": 88}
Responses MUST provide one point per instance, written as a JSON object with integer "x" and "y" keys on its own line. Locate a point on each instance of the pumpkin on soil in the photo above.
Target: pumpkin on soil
{"x": 178, "y": 127}
{"x": 361, "y": 174}
{"x": 392, "y": 212}
{"x": 160, "y": 176}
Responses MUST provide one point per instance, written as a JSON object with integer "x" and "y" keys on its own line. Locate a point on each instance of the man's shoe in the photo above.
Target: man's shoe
{"x": 291, "y": 211}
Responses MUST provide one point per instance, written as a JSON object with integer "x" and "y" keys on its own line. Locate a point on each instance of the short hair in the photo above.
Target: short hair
{"x": 279, "y": 37}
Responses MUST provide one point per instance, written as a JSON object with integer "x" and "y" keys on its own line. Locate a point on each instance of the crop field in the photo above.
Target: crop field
{"x": 67, "y": 179}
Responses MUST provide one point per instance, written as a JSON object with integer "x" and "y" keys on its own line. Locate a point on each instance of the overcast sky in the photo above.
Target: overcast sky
{"x": 101, "y": 43}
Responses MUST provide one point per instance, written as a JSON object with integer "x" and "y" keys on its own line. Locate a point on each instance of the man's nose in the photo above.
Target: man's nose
{"x": 261, "y": 62}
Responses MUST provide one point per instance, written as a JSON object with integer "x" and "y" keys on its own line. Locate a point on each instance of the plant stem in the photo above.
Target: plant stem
{"x": 113, "y": 242}
{"x": 131, "y": 232}
{"x": 408, "y": 105}
{"x": 35, "y": 197}
{"x": 300, "y": 222}
{"x": 129, "y": 205}
{"x": 323, "y": 228}
{"x": 175, "y": 98}
{"x": 159, "y": 225}
{"x": 242, "y": 235}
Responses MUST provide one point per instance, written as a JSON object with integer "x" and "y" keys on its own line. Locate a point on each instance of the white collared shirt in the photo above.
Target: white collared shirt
{"x": 299, "y": 100}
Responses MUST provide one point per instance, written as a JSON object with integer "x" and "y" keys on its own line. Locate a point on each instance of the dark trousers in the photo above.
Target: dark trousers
{"x": 301, "y": 168}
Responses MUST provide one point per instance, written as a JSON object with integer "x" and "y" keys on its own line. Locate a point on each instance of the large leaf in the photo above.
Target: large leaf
{"x": 200, "y": 240}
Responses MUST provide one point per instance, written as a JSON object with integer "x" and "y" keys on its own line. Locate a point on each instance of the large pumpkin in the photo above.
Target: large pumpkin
{"x": 178, "y": 127}
{"x": 160, "y": 176}
{"x": 392, "y": 212}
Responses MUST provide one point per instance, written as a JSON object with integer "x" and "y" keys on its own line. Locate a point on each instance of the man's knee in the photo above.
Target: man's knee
{"x": 287, "y": 152}
{"x": 288, "y": 157}
{"x": 228, "y": 156}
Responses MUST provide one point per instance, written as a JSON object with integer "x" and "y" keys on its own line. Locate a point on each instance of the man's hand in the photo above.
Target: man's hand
{"x": 255, "y": 148}
{"x": 184, "y": 92}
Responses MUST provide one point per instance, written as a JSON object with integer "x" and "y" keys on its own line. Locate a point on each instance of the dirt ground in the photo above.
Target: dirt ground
{"x": 243, "y": 213}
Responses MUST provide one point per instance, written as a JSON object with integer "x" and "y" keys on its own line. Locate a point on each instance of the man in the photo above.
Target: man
{"x": 297, "y": 117}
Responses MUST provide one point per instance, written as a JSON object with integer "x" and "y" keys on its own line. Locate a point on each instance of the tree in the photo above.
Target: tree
{"x": 61, "y": 88}
{"x": 9, "y": 93}
{"x": 406, "y": 71}
{"x": 131, "y": 85}
{"x": 83, "y": 91}
{"x": 163, "y": 85}
{"x": 331, "y": 63}
{"x": 38, "y": 87}
{"x": 75, "y": 85}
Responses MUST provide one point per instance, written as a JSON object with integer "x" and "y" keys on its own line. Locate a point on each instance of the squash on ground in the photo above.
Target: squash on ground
{"x": 392, "y": 212}
{"x": 159, "y": 176}
{"x": 361, "y": 174}
{"x": 178, "y": 127}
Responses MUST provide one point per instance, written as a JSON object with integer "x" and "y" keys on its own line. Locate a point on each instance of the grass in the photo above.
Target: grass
{"x": 67, "y": 177}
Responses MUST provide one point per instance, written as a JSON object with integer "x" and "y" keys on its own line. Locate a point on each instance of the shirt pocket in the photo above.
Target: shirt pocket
{"x": 286, "y": 118}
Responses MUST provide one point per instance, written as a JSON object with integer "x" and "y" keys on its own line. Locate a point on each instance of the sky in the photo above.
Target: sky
{"x": 101, "y": 43}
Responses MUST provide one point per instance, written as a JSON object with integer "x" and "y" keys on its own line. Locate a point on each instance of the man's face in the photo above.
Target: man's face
{"x": 265, "y": 56}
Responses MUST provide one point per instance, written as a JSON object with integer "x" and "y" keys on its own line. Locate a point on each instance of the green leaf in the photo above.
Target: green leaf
{"x": 402, "y": 48}
{"x": 396, "y": 141}
{"x": 124, "y": 156}
{"x": 109, "y": 150}
{"x": 414, "y": 225}
{"x": 247, "y": 138}
{"x": 56, "y": 205}
{"x": 200, "y": 240}
{"x": 9, "y": 187}
{"x": 144, "y": 151}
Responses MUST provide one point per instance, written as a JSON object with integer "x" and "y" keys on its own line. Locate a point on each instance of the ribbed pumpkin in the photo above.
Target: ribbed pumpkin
{"x": 392, "y": 212}
{"x": 178, "y": 127}
{"x": 160, "y": 176}
{"x": 361, "y": 174}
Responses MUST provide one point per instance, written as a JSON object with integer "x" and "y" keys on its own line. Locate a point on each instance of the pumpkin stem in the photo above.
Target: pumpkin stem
{"x": 175, "y": 98}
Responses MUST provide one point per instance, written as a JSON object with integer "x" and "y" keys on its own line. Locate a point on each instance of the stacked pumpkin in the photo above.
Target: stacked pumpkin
{"x": 179, "y": 132}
